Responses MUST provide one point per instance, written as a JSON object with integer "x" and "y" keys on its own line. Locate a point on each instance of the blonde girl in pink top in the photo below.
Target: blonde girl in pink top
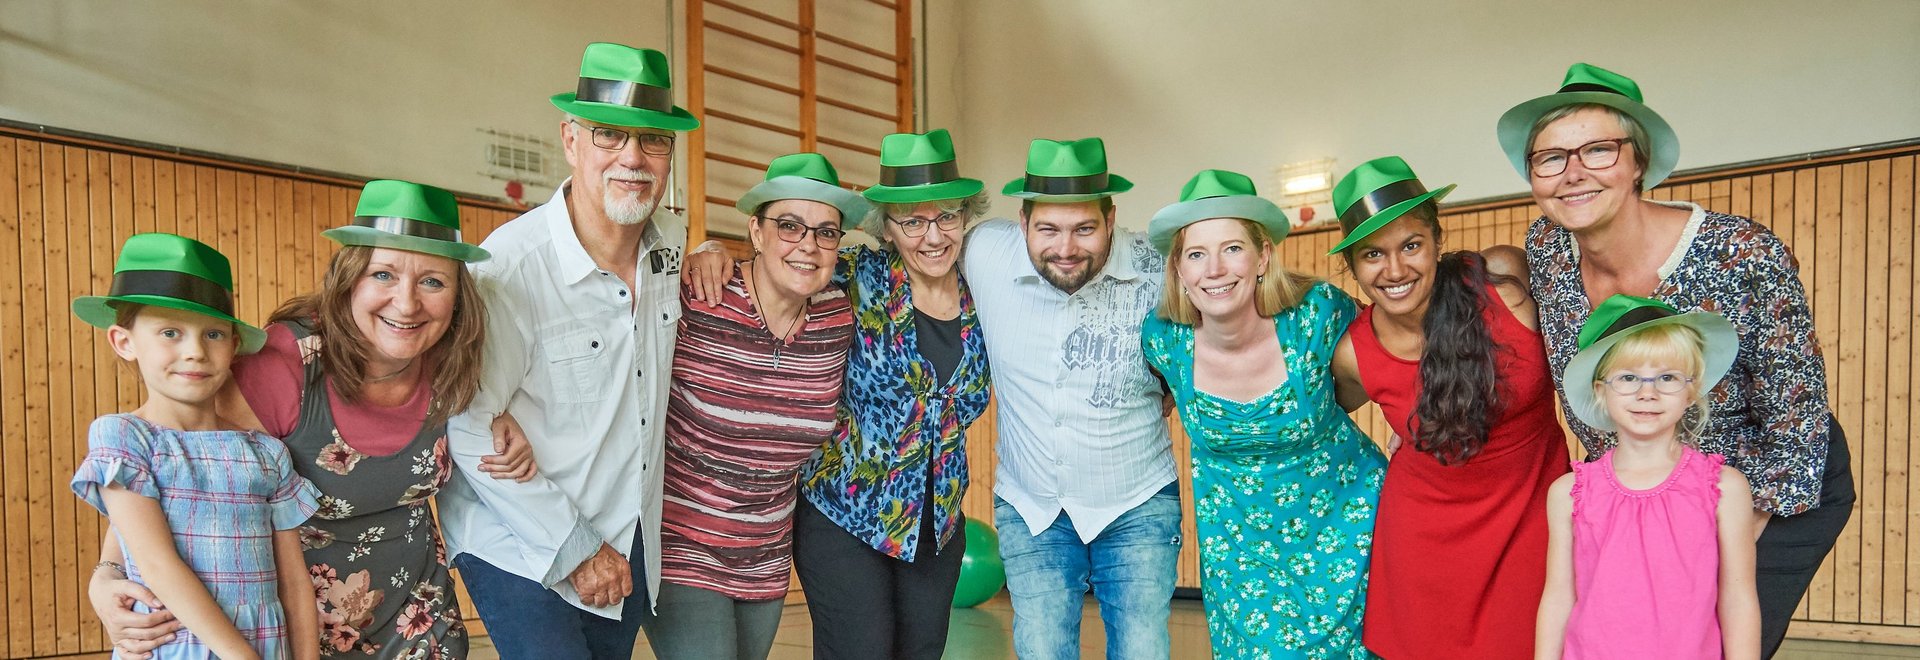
{"x": 1650, "y": 548}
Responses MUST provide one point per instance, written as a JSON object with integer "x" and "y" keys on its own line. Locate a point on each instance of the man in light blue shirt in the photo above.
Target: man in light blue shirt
{"x": 1085, "y": 491}
{"x": 583, "y": 302}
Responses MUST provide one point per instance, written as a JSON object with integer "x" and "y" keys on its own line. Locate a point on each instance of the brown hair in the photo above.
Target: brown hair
{"x": 1279, "y": 289}
{"x": 455, "y": 359}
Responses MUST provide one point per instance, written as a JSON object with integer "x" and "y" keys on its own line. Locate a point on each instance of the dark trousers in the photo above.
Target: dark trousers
{"x": 866, "y": 604}
{"x": 1791, "y": 548}
{"x": 526, "y": 620}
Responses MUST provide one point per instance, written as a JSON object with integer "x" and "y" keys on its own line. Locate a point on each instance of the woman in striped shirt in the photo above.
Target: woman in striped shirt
{"x": 756, "y": 379}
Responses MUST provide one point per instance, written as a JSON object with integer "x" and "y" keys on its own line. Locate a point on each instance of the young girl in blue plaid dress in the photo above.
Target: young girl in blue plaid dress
{"x": 205, "y": 513}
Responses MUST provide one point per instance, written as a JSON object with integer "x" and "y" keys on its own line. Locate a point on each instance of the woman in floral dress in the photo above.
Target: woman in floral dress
{"x": 1284, "y": 483}
{"x": 358, "y": 380}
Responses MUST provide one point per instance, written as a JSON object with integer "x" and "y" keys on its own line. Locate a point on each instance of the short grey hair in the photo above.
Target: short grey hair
{"x": 971, "y": 208}
{"x": 1642, "y": 147}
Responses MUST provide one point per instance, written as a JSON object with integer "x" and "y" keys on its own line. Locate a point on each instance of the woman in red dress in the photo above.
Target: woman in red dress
{"x": 1450, "y": 350}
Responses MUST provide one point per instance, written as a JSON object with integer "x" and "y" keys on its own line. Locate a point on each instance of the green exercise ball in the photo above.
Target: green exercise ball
{"x": 981, "y": 573}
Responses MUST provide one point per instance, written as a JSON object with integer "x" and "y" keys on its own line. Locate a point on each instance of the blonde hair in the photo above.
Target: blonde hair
{"x": 1279, "y": 289}
{"x": 1675, "y": 346}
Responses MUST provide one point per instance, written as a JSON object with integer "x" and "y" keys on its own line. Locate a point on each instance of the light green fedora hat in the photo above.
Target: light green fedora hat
{"x": 1617, "y": 318}
{"x": 1376, "y": 193}
{"x": 625, "y": 86}
{"x": 805, "y": 176}
{"x": 164, "y": 270}
{"x": 1586, "y": 83}
{"x": 1216, "y": 194}
{"x": 1066, "y": 172}
{"x": 403, "y": 215}
{"x": 920, "y": 167}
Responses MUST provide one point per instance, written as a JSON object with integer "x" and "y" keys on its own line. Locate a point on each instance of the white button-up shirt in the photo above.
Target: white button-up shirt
{"x": 1078, "y": 407}
{"x": 582, "y": 363}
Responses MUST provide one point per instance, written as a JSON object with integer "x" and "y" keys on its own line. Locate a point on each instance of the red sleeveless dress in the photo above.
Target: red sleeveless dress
{"x": 1460, "y": 551}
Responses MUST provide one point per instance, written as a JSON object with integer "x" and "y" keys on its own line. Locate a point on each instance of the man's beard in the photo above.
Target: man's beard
{"x": 1070, "y": 283}
{"x": 627, "y": 209}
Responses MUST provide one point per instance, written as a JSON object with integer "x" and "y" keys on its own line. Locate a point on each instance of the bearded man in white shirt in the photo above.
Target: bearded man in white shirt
{"x": 584, "y": 297}
{"x": 1085, "y": 496}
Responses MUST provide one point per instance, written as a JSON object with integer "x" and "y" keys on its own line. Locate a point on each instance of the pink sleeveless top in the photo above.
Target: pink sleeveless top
{"x": 1646, "y": 563}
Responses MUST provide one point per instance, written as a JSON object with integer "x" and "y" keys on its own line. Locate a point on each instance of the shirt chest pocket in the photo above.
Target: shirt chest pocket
{"x": 575, "y": 364}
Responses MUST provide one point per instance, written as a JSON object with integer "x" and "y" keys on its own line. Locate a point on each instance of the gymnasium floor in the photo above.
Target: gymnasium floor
{"x": 984, "y": 633}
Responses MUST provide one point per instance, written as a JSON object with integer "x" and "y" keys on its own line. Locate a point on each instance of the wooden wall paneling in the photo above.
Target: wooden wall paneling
{"x": 56, "y": 168}
{"x": 286, "y": 226}
{"x": 1854, "y": 395}
{"x": 1823, "y": 238}
{"x": 260, "y": 241}
{"x": 93, "y": 376}
{"x": 1842, "y": 563}
{"x": 122, "y": 168}
{"x": 16, "y": 602}
{"x": 1875, "y": 541}
{"x": 34, "y": 259}
{"x": 237, "y": 225}
{"x": 166, "y": 192}
{"x": 1898, "y": 596}
{"x": 206, "y": 205}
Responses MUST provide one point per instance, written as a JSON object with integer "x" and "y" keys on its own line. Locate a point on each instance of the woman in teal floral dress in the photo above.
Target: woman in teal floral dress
{"x": 1284, "y": 483}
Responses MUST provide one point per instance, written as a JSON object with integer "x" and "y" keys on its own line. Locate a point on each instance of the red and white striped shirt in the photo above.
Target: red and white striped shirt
{"x": 743, "y": 413}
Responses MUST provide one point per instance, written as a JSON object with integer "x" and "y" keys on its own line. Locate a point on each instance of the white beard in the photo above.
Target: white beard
{"x": 626, "y": 209}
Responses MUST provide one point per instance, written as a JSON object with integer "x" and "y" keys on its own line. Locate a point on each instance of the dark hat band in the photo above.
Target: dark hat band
{"x": 1067, "y": 185}
{"x": 919, "y": 175}
{"x": 1636, "y": 316}
{"x": 1381, "y": 199}
{"x": 1589, "y": 87}
{"x": 408, "y": 227}
{"x": 173, "y": 284}
{"x": 625, "y": 92}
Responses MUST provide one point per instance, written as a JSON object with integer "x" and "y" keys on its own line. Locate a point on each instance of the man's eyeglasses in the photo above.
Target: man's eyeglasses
{"x": 915, "y": 226}
{"x": 1595, "y": 155}
{"x": 613, "y": 139}
{"x": 792, "y": 230}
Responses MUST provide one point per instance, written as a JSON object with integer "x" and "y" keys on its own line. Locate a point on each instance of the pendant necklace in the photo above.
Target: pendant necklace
{"x": 799, "y": 315}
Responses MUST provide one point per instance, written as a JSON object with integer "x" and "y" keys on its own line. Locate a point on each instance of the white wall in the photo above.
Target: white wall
{"x": 367, "y": 87}
{"x": 1175, "y": 87}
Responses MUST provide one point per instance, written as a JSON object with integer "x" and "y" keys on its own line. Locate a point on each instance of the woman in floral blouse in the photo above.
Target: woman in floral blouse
{"x": 359, "y": 379}
{"x": 1590, "y": 151}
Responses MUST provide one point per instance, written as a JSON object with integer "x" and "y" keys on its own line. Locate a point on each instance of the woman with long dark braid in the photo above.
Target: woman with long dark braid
{"x": 1450, "y": 350}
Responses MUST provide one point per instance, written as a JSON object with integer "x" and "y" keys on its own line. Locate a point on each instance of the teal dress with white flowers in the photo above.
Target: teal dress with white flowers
{"x": 1284, "y": 488}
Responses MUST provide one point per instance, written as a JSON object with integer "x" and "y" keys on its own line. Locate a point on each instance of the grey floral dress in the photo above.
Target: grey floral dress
{"x": 1285, "y": 489}
{"x": 373, "y": 549}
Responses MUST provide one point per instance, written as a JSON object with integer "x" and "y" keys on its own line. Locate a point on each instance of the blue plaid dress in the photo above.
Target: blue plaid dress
{"x": 225, "y": 493}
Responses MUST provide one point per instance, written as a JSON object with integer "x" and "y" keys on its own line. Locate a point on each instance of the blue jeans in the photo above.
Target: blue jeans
{"x": 1130, "y": 567}
{"x": 526, "y": 620}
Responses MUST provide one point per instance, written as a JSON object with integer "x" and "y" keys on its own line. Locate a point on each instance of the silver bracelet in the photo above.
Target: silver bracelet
{"x": 122, "y": 570}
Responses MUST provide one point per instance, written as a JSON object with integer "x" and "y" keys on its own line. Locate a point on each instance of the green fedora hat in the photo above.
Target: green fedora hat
{"x": 1066, "y": 172}
{"x": 1378, "y": 192}
{"x": 625, "y": 86}
{"x": 920, "y": 167}
{"x": 1216, "y": 194}
{"x": 407, "y": 216}
{"x": 1619, "y": 317}
{"x": 805, "y": 176}
{"x": 1586, "y": 83}
{"x": 164, "y": 270}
